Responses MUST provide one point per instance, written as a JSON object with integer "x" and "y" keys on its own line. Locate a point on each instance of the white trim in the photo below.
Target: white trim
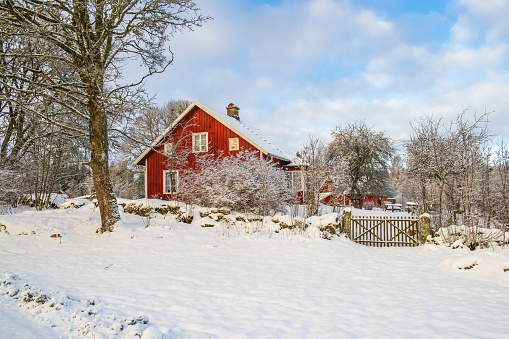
{"x": 168, "y": 148}
{"x": 209, "y": 112}
{"x": 206, "y": 142}
{"x": 145, "y": 179}
{"x": 165, "y": 191}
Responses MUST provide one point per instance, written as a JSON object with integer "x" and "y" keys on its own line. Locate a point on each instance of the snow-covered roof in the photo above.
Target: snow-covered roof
{"x": 254, "y": 135}
{"x": 250, "y": 134}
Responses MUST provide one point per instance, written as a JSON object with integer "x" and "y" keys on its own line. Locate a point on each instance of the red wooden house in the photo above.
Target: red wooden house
{"x": 199, "y": 130}
{"x": 328, "y": 198}
{"x": 344, "y": 199}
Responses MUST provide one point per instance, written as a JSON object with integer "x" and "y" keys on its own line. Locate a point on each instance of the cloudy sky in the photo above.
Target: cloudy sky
{"x": 302, "y": 67}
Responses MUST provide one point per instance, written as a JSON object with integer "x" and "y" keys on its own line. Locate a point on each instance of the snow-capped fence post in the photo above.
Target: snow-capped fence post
{"x": 347, "y": 221}
{"x": 424, "y": 223}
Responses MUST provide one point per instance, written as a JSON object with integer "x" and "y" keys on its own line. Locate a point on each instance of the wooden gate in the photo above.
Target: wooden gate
{"x": 382, "y": 231}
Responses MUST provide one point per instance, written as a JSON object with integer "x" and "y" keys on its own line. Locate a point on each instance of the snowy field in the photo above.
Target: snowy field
{"x": 175, "y": 280}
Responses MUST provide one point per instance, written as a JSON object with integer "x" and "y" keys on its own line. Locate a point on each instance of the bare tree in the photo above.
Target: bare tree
{"x": 149, "y": 123}
{"x": 11, "y": 181}
{"x": 317, "y": 170}
{"x": 500, "y": 183}
{"x": 92, "y": 39}
{"x": 31, "y": 149}
{"x": 338, "y": 182}
{"x": 449, "y": 167}
{"x": 15, "y": 125}
{"x": 473, "y": 138}
{"x": 430, "y": 157}
{"x": 367, "y": 154}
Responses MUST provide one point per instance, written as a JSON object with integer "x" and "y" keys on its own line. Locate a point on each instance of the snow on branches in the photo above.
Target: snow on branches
{"x": 242, "y": 182}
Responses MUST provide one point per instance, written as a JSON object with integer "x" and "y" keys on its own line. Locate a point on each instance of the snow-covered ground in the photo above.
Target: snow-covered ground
{"x": 175, "y": 280}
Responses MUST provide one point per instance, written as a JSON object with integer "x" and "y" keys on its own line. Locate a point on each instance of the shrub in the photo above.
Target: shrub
{"x": 162, "y": 210}
{"x": 243, "y": 183}
{"x": 184, "y": 217}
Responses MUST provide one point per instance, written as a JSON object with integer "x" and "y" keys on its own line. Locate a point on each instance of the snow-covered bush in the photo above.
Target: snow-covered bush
{"x": 472, "y": 237}
{"x": 243, "y": 182}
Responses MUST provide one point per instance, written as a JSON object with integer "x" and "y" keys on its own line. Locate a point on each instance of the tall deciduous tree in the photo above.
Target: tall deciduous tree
{"x": 367, "y": 154}
{"x": 92, "y": 39}
{"x": 449, "y": 166}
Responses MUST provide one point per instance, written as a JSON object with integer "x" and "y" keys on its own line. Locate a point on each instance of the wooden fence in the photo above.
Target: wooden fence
{"x": 383, "y": 231}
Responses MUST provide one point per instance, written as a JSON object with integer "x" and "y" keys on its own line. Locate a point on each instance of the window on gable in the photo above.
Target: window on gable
{"x": 295, "y": 180}
{"x": 200, "y": 142}
{"x": 170, "y": 181}
{"x": 233, "y": 144}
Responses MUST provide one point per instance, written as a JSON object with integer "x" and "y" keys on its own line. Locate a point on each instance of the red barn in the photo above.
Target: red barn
{"x": 331, "y": 199}
{"x": 196, "y": 131}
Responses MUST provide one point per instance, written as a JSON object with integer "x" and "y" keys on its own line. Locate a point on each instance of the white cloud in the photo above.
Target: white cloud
{"x": 486, "y": 20}
{"x": 303, "y": 67}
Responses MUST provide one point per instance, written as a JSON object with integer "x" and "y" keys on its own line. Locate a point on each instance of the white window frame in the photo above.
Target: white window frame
{"x": 293, "y": 177}
{"x": 166, "y": 189}
{"x": 168, "y": 148}
{"x": 232, "y": 142}
{"x": 202, "y": 147}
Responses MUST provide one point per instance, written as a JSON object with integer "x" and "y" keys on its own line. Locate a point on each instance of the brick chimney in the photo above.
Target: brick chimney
{"x": 233, "y": 111}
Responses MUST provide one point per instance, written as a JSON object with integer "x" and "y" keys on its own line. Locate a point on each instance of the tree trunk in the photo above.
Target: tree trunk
{"x": 357, "y": 200}
{"x": 98, "y": 129}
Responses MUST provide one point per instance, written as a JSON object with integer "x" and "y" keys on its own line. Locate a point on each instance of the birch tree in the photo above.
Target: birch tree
{"x": 91, "y": 40}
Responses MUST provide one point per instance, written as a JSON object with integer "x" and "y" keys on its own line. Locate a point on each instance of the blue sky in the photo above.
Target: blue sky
{"x": 302, "y": 67}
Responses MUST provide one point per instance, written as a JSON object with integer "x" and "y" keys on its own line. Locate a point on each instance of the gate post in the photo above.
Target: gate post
{"x": 425, "y": 228}
{"x": 347, "y": 221}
